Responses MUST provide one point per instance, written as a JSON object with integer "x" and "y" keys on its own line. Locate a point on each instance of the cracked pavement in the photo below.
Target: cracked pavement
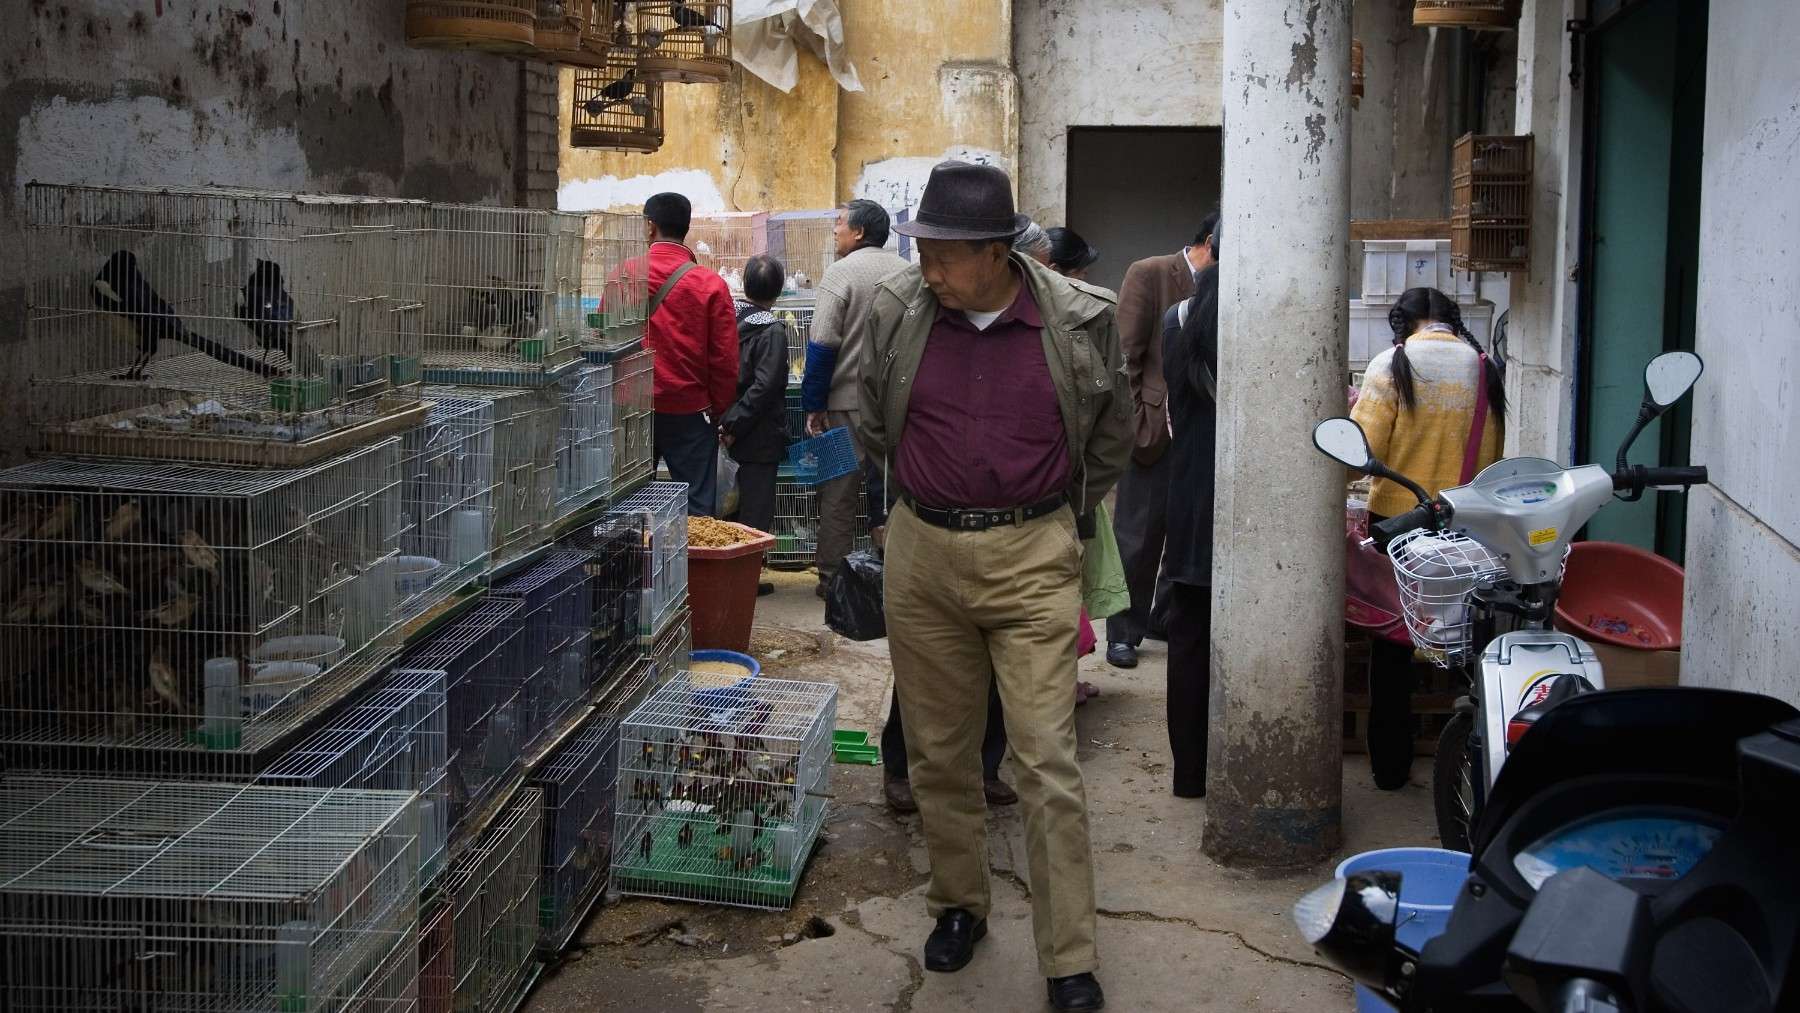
{"x": 1176, "y": 932}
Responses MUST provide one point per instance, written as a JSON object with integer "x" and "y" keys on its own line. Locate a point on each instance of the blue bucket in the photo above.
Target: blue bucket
{"x": 734, "y": 695}
{"x": 1433, "y": 878}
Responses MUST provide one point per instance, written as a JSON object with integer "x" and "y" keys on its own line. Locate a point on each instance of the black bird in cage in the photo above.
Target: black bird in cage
{"x": 268, "y": 310}
{"x": 616, "y": 93}
{"x": 693, "y": 20}
{"x": 122, "y": 289}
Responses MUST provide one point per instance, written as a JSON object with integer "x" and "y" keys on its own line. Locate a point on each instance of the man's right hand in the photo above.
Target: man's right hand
{"x": 815, "y": 423}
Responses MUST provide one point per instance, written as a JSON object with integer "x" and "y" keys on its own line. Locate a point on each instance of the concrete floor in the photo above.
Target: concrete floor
{"x": 1176, "y": 931}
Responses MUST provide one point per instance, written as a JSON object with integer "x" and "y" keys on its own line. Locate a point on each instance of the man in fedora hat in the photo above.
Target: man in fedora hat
{"x": 993, "y": 395}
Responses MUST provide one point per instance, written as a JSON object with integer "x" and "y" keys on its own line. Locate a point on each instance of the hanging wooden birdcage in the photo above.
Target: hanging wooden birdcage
{"x": 1480, "y": 15}
{"x": 684, "y": 41}
{"x": 573, "y": 32}
{"x": 616, "y": 106}
{"x": 495, "y": 26}
{"x": 1358, "y": 78}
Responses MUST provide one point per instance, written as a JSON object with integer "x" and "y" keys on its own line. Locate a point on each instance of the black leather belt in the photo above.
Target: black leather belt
{"x": 981, "y": 520}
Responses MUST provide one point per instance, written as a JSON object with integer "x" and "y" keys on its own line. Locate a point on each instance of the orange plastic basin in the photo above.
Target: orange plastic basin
{"x": 1621, "y": 595}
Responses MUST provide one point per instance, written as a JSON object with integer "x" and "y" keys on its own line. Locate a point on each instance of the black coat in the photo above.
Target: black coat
{"x": 757, "y": 420}
{"x": 1190, "y": 355}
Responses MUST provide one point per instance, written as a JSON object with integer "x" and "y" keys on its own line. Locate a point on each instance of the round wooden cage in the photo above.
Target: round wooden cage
{"x": 1358, "y": 78}
{"x": 684, "y": 41}
{"x": 616, "y": 107}
{"x": 1481, "y": 15}
{"x": 573, "y": 32}
{"x": 494, "y": 26}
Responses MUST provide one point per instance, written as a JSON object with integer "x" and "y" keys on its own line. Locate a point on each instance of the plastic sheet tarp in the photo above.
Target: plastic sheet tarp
{"x": 766, "y": 35}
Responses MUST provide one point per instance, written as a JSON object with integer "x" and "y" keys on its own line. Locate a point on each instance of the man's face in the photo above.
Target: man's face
{"x": 842, "y": 235}
{"x": 1203, "y": 257}
{"x": 961, "y": 276}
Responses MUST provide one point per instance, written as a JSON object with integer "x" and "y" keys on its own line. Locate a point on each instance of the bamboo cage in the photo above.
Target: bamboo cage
{"x": 617, "y": 106}
{"x": 571, "y": 32}
{"x": 493, "y": 26}
{"x": 684, "y": 41}
{"x": 1480, "y": 15}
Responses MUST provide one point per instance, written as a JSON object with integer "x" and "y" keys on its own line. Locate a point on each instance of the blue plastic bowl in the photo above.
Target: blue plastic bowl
{"x": 1432, "y": 879}
{"x": 726, "y": 697}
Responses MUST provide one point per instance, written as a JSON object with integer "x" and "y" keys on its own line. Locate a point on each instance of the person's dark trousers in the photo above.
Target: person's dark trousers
{"x": 689, "y": 444}
{"x": 1390, "y": 713}
{"x": 756, "y": 495}
{"x": 993, "y": 739}
{"x": 876, "y": 489}
{"x": 1140, "y": 524}
{"x": 1190, "y": 684}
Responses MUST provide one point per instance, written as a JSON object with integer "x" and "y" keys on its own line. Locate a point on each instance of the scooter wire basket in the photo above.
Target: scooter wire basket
{"x": 1437, "y": 572}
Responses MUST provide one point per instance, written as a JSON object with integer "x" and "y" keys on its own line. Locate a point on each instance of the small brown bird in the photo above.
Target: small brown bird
{"x": 25, "y": 605}
{"x": 176, "y": 611}
{"x": 198, "y": 553}
{"x": 724, "y": 853}
{"x": 22, "y": 524}
{"x": 97, "y": 579}
{"x": 57, "y": 524}
{"x": 123, "y": 520}
{"x": 644, "y": 845}
{"x": 162, "y": 679}
{"x": 686, "y": 836}
{"x": 55, "y": 597}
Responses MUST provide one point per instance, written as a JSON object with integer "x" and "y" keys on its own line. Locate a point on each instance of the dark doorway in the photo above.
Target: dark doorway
{"x": 1138, "y": 192}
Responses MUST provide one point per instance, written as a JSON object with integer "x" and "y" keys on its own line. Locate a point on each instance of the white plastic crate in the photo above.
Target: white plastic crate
{"x": 1391, "y": 266}
{"x": 1370, "y": 332}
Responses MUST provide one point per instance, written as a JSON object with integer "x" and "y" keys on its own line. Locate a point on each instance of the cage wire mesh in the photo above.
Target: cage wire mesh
{"x": 670, "y": 647}
{"x": 614, "y": 282}
{"x": 218, "y": 325}
{"x": 797, "y": 523}
{"x": 663, "y": 506}
{"x": 577, "y": 782}
{"x": 447, "y": 498}
{"x": 1436, "y": 573}
{"x": 612, "y": 549}
{"x": 726, "y": 240}
{"x": 483, "y": 658}
{"x": 493, "y": 891}
{"x": 437, "y": 953}
{"x": 616, "y": 105}
{"x": 187, "y": 608}
{"x": 167, "y": 895}
{"x": 634, "y": 420}
{"x": 394, "y": 739}
{"x": 526, "y": 423}
{"x": 500, "y": 291}
{"x": 584, "y": 441}
{"x": 804, "y": 243}
{"x": 556, "y": 602}
{"x": 722, "y": 788}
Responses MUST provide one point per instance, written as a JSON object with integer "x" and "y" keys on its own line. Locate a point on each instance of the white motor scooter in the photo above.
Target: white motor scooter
{"x": 1480, "y": 567}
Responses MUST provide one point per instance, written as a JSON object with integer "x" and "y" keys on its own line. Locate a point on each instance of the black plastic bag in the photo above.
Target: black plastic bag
{"x": 853, "y": 599}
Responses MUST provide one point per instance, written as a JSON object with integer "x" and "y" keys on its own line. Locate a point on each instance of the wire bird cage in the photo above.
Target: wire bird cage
{"x": 494, "y": 26}
{"x": 447, "y": 491}
{"x": 395, "y": 739}
{"x": 634, "y": 420}
{"x": 614, "y": 285}
{"x": 726, "y": 240}
{"x": 493, "y": 893}
{"x": 577, "y": 784}
{"x": 612, "y": 550}
{"x": 722, "y": 789}
{"x": 556, "y": 602}
{"x": 526, "y": 423}
{"x": 663, "y": 578}
{"x": 220, "y": 326}
{"x": 584, "y": 443}
{"x": 501, "y": 295}
{"x": 437, "y": 954}
{"x": 165, "y": 895}
{"x": 1437, "y": 573}
{"x": 482, "y": 655}
{"x": 671, "y": 647}
{"x": 797, "y": 523}
{"x": 572, "y": 33}
{"x": 616, "y": 105}
{"x": 804, "y": 243}
{"x": 189, "y": 610}
{"x": 684, "y": 41}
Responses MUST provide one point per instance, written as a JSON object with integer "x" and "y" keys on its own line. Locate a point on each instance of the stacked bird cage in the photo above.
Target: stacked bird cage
{"x": 634, "y": 420}
{"x": 501, "y": 295}
{"x": 670, "y": 647}
{"x": 167, "y": 895}
{"x": 612, "y": 553}
{"x": 571, "y": 33}
{"x": 684, "y": 41}
{"x": 804, "y": 243}
{"x": 394, "y": 739}
{"x": 663, "y": 580}
{"x": 616, "y": 106}
{"x": 556, "y": 604}
{"x": 447, "y": 488}
{"x": 576, "y": 784}
{"x": 614, "y": 285}
{"x": 797, "y": 524}
{"x": 197, "y": 614}
{"x": 437, "y": 954}
{"x": 722, "y": 789}
{"x": 526, "y": 423}
{"x": 493, "y": 892}
{"x": 726, "y": 240}
{"x": 584, "y": 442}
{"x": 494, "y": 26}
{"x": 220, "y": 326}
{"x": 483, "y": 658}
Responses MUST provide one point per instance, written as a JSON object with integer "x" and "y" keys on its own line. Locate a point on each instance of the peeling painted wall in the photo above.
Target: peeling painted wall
{"x": 269, "y": 93}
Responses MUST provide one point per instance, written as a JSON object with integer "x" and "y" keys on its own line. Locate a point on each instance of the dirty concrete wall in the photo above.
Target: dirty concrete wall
{"x": 1743, "y": 539}
{"x": 740, "y": 146}
{"x": 266, "y": 93}
{"x": 1107, "y": 63}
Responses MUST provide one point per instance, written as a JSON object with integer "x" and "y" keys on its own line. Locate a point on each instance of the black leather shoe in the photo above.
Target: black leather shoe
{"x": 1121, "y": 655}
{"x": 765, "y": 588}
{"x": 952, "y": 944}
{"x": 1076, "y": 992}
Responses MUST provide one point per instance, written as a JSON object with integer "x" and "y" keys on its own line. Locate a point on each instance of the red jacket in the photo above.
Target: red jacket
{"x": 694, "y": 335}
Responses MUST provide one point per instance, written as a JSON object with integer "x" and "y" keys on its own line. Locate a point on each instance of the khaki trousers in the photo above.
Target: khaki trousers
{"x": 838, "y": 500}
{"x": 964, "y": 607}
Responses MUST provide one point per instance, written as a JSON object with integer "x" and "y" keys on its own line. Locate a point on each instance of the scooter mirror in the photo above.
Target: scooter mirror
{"x": 1670, "y": 376}
{"x": 1342, "y": 440}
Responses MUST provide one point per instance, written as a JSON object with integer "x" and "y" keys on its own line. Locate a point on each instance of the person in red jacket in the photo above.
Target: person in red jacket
{"x": 692, "y": 329}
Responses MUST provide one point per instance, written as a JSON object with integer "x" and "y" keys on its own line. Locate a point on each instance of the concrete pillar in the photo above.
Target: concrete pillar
{"x": 1275, "y": 762}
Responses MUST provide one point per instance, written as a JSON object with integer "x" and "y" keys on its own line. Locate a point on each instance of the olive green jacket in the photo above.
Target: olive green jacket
{"x": 1081, "y": 344}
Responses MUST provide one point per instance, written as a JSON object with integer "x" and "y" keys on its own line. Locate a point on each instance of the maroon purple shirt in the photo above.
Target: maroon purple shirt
{"x": 983, "y": 424}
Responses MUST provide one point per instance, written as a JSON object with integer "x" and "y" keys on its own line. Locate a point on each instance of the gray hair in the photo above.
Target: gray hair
{"x": 1033, "y": 243}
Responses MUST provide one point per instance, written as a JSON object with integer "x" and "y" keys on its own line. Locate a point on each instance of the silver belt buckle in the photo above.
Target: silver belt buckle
{"x": 971, "y": 520}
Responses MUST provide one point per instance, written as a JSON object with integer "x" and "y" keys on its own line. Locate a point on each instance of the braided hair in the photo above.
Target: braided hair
{"x": 1420, "y": 304}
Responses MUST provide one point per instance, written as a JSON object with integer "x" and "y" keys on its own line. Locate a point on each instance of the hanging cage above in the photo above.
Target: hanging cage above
{"x": 495, "y": 26}
{"x": 684, "y": 41}
{"x": 1358, "y": 76}
{"x": 616, "y": 105}
{"x": 575, "y": 33}
{"x": 1481, "y": 15}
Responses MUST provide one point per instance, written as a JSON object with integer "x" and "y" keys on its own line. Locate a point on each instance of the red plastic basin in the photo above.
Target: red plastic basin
{"x": 1621, "y": 595}
{"x": 722, "y": 591}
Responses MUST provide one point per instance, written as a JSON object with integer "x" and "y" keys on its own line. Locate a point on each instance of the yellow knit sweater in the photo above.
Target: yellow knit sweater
{"x": 1426, "y": 442}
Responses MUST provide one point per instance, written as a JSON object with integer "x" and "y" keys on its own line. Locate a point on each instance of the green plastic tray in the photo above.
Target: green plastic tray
{"x": 849, "y": 746}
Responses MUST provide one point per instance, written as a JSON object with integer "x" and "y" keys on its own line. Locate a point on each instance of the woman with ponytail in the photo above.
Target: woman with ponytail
{"x": 1433, "y": 407}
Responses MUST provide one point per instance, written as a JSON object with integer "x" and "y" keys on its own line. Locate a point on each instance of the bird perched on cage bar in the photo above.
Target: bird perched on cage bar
{"x": 693, "y": 20}
{"x": 267, "y": 310}
{"x": 616, "y": 93}
{"x": 121, "y": 289}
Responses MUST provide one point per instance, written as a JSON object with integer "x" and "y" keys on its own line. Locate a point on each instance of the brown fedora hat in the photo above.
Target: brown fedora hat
{"x": 964, "y": 201}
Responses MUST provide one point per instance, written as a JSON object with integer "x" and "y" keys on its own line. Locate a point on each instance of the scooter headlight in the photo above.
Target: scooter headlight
{"x": 1350, "y": 921}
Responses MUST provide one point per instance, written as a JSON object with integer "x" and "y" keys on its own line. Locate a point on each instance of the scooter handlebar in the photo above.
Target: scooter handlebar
{"x": 1423, "y": 515}
{"x": 1637, "y": 478}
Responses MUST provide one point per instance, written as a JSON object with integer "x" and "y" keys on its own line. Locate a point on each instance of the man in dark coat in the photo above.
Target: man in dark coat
{"x": 754, "y": 428}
